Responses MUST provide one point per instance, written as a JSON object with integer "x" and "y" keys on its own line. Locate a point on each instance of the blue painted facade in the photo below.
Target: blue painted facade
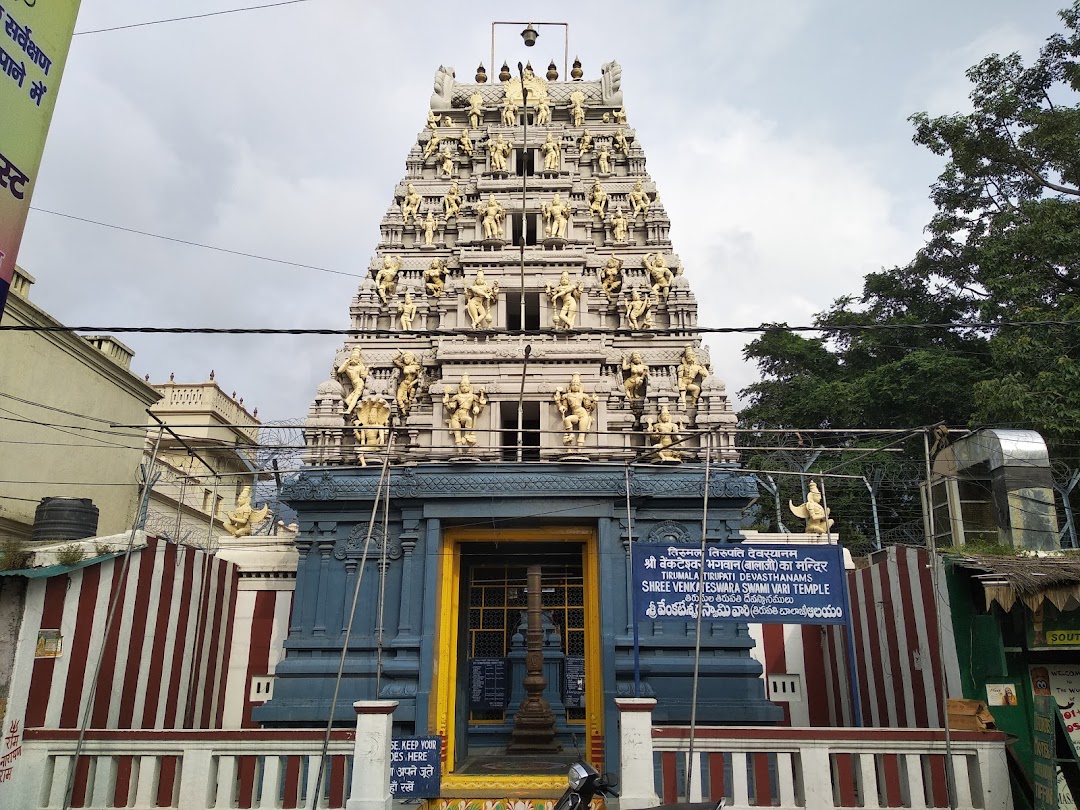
{"x": 334, "y": 508}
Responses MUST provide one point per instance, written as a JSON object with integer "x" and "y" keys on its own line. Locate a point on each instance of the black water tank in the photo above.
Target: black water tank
{"x": 64, "y": 519}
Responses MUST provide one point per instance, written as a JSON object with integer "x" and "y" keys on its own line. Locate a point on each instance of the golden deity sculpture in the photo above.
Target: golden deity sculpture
{"x": 432, "y": 120}
{"x": 552, "y": 152}
{"x": 435, "y": 278}
{"x": 407, "y": 312}
{"x": 597, "y": 200}
{"x": 446, "y": 161}
{"x": 480, "y": 297}
{"x": 464, "y": 407}
{"x": 620, "y": 225}
{"x": 386, "y": 278}
{"x": 240, "y": 521}
{"x": 429, "y": 226}
{"x": 543, "y": 112}
{"x": 611, "y": 277}
{"x": 639, "y": 200}
{"x": 664, "y": 435}
{"x": 659, "y": 275}
{"x": 639, "y": 310}
{"x": 492, "y": 216}
{"x": 410, "y": 206}
{"x": 621, "y": 144}
{"x": 498, "y": 152}
{"x": 564, "y": 301}
{"x": 576, "y": 407}
{"x": 409, "y": 370}
{"x": 603, "y": 160}
{"x": 585, "y": 143}
{"x": 509, "y": 112}
{"x": 371, "y": 427}
{"x": 432, "y": 146}
{"x": 354, "y": 371}
{"x": 476, "y": 110}
{"x": 465, "y": 143}
{"x": 577, "y": 108}
{"x": 816, "y": 516}
{"x": 635, "y": 371}
{"x": 556, "y": 215}
{"x": 451, "y": 201}
{"x": 537, "y": 87}
{"x": 619, "y": 116}
{"x": 690, "y": 375}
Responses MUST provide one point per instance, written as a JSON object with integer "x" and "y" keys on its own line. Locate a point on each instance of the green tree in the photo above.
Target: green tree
{"x": 1003, "y": 246}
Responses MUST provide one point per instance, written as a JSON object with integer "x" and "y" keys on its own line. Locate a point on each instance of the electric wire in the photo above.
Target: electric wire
{"x": 202, "y": 245}
{"x": 187, "y": 17}
{"x": 682, "y": 331}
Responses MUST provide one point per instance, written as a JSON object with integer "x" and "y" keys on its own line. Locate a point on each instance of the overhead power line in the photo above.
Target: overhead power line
{"x": 191, "y": 243}
{"x": 465, "y": 332}
{"x": 189, "y": 17}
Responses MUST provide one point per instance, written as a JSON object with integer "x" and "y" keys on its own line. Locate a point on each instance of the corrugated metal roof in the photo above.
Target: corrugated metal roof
{"x": 55, "y": 570}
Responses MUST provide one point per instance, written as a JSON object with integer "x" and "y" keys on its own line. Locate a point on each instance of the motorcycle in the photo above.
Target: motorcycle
{"x": 584, "y": 782}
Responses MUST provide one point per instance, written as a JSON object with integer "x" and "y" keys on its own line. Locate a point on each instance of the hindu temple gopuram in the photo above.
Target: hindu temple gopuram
{"x": 524, "y": 394}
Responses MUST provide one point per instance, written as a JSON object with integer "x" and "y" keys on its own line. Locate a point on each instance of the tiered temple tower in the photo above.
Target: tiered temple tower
{"x": 555, "y": 432}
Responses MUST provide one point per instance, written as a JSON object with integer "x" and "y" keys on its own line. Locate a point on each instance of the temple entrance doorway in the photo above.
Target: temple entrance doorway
{"x": 487, "y": 649}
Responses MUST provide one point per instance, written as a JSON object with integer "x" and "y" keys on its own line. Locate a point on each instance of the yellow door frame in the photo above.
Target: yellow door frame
{"x": 443, "y": 708}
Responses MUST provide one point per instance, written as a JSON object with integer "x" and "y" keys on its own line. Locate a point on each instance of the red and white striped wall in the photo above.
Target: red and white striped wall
{"x": 166, "y": 660}
{"x": 904, "y": 640}
{"x": 259, "y": 629}
{"x": 902, "y": 672}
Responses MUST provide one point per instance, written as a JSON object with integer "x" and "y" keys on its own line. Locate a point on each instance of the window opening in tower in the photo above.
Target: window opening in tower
{"x": 513, "y": 309}
{"x": 530, "y": 429}
{"x": 532, "y": 224}
{"x": 525, "y": 162}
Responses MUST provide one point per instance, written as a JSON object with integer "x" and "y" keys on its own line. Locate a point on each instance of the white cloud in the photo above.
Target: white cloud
{"x": 772, "y": 228}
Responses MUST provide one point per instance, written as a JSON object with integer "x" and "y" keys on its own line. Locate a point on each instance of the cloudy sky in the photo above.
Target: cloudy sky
{"x": 776, "y": 132}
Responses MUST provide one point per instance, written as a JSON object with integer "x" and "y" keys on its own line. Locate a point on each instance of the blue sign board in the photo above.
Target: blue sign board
{"x": 415, "y": 767}
{"x": 745, "y": 582}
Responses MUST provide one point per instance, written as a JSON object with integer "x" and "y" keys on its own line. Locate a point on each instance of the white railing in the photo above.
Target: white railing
{"x": 180, "y": 769}
{"x": 818, "y": 768}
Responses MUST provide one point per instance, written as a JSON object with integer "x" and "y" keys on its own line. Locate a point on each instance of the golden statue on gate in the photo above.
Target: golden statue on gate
{"x": 816, "y": 516}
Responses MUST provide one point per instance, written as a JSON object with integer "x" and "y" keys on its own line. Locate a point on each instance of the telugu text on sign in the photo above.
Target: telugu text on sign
{"x": 777, "y": 584}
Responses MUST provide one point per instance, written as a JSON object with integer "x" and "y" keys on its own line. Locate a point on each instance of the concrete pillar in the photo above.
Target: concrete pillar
{"x": 371, "y": 756}
{"x": 637, "y": 782}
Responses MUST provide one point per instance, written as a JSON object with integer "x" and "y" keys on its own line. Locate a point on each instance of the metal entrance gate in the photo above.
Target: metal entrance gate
{"x": 493, "y": 625}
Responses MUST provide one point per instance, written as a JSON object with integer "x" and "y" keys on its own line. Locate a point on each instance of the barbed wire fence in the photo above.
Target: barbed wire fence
{"x": 281, "y": 445}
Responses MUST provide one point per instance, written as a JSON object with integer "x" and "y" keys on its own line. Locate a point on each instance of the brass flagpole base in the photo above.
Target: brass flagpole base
{"x": 534, "y": 723}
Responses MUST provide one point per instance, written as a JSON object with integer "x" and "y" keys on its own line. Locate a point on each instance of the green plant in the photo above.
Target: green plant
{"x": 101, "y": 549}
{"x": 14, "y": 555}
{"x": 69, "y": 554}
{"x": 988, "y": 549}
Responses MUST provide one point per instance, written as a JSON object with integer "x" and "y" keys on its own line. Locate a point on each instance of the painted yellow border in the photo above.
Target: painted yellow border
{"x": 443, "y": 708}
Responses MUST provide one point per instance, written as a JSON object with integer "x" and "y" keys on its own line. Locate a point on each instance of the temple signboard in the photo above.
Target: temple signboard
{"x": 775, "y": 584}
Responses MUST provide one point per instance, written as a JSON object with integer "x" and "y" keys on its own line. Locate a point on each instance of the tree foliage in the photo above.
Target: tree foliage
{"x": 1002, "y": 246}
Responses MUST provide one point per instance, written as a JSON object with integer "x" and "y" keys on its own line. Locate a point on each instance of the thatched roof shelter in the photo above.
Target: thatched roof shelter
{"x": 1028, "y": 579}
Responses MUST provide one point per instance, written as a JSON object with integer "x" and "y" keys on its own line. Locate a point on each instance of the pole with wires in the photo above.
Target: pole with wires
{"x": 383, "y": 563}
{"x": 525, "y": 161}
{"x": 631, "y": 593}
{"x": 935, "y": 581}
{"x": 697, "y": 629}
{"x": 384, "y": 481}
{"x": 849, "y": 632}
{"x": 110, "y": 621}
